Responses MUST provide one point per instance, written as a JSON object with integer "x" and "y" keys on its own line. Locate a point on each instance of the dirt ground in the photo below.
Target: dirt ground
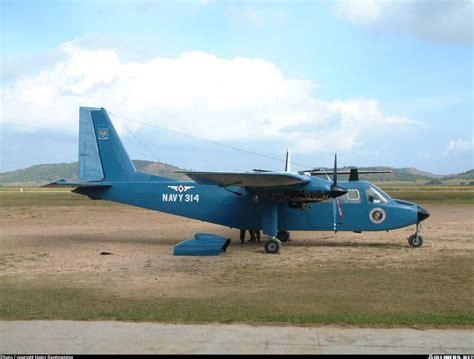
{"x": 64, "y": 243}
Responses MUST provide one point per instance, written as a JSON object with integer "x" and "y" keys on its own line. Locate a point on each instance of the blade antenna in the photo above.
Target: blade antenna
{"x": 327, "y": 176}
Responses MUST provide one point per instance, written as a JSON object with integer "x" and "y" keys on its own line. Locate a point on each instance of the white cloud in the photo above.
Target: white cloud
{"x": 458, "y": 147}
{"x": 438, "y": 21}
{"x": 255, "y": 17}
{"x": 197, "y": 93}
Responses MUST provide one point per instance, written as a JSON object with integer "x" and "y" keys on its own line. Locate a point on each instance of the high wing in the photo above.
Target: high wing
{"x": 248, "y": 179}
{"x": 317, "y": 172}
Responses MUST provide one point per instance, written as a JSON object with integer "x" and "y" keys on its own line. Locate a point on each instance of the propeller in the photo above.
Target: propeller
{"x": 336, "y": 192}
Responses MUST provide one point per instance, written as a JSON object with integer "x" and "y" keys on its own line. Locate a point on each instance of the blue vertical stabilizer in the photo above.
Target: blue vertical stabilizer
{"x": 101, "y": 153}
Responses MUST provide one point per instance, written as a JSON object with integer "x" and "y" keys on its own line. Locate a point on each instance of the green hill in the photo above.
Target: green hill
{"x": 468, "y": 175}
{"x": 42, "y": 174}
{"x": 409, "y": 174}
{"x": 39, "y": 174}
{"x": 397, "y": 175}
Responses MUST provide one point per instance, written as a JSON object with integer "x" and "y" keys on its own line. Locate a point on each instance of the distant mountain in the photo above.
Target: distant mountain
{"x": 39, "y": 174}
{"x": 398, "y": 175}
{"x": 468, "y": 175}
{"x": 408, "y": 174}
{"x": 416, "y": 172}
{"x": 42, "y": 174}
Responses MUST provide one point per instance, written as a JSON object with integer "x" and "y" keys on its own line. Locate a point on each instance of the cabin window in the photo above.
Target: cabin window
{"x": 353, "y": 195}
{"x": 375, "y": 196}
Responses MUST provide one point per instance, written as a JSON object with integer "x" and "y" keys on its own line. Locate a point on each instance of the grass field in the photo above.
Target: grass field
{"x": 336, "y": 296}
{"x": 438, "y": 194}
{"x": 50, "y": 267}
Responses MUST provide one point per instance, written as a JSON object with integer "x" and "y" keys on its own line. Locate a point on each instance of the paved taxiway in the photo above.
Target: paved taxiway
{"x": 124, "y": 337}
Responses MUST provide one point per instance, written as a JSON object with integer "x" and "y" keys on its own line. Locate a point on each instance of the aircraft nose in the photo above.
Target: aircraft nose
{"x": 422, "y": 213}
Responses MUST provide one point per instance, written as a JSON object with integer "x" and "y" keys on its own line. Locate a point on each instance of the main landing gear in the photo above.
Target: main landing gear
{"x": 273, "y": 246}
{"x": 416, "y": 240}
{"x": 283, "y": 236}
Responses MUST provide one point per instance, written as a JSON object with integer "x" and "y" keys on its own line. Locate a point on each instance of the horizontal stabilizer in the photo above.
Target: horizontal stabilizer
{"x": 247, "y": 179}
{"x": 64, "y": 183}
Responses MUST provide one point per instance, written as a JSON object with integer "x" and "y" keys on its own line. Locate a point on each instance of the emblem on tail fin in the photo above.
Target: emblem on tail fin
{"x": 103, "y": 133}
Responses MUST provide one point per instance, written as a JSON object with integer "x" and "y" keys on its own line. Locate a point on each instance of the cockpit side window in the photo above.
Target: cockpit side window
{"x": 353, "y": 195}
{"x": 374, "y": 196}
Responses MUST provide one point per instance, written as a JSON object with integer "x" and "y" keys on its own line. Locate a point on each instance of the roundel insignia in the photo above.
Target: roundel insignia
{"x": 377, "y": 215}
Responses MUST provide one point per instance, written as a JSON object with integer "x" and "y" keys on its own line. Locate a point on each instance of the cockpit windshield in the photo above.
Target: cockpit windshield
{"x": 383, "y": 193}
{"x": 376, "y": 195}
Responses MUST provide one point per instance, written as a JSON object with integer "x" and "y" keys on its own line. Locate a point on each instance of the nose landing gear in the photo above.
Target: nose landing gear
{"x": 416, "y": 240}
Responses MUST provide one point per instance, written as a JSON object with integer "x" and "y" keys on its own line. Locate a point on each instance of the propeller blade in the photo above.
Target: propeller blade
{"x": 336, "y": 191}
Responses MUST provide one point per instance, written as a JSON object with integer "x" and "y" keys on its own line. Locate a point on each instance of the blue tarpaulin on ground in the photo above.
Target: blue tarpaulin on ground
{"x": 203, "y": 244}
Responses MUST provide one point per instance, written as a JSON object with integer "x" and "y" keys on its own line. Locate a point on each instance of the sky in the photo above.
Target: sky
{"x": 377, "y": 82}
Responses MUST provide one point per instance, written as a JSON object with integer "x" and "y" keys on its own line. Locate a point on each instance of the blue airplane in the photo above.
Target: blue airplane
{"x": 274, "y": 202}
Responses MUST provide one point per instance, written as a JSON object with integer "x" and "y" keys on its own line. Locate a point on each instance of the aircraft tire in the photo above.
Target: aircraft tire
{"x": 273, "y": 246}
{"x": 415, "y": 241}
{"x": 283, "y": 236}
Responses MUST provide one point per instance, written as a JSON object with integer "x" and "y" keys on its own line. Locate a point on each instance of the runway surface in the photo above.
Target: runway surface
{"x": 71, "y": 337}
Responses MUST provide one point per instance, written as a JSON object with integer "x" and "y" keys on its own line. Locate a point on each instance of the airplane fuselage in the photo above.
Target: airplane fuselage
{"x": 238, "y": 207}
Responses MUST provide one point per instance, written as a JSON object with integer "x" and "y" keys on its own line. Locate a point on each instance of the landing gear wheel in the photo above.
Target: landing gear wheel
{"x": 415, "y": 240}
{"x": 283, "y": 236}
{"x": 273, "y": 246}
